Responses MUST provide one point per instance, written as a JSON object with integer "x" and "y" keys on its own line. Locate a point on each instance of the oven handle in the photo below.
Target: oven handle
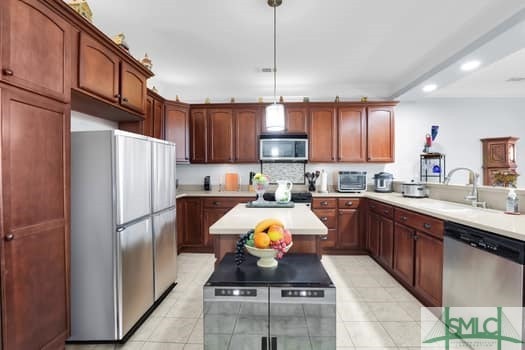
{"x": 274, "y": 344}
{"x": 264, "y": 343}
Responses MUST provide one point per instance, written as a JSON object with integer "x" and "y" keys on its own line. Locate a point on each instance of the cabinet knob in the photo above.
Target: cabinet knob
{"x": 125, "y": 99}
{"x": 427, "y": 226}
{"x": 324, "y": 238}
{"x": 9, "y": 237}
{"x": 416, "y": 237}
{"x": 216, "y": 203}
{"x": 386, "y": 212}
{"x": 325, "y": 203}
{"x": 117, "y": 95}
{"x": 404, "y": 218}
{"x": 8, "y": 72}
{"x": 349, "y": 203}
{"x": 324, "y": 218}
{"x": 333, "y": 158}
{"x": 369, "y": 158}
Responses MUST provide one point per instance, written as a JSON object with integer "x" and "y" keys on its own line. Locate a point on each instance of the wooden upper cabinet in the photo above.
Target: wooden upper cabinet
{"x": 35, "y": 50}
{"x": 35, "y": 221}
{"x": 351, "y": 138}
{"x": 220, "y": 135}
{"x": 499, "y": 152}
{"x": 380, "y": 132}
{"x": 323, "y": 134}
{"x": 177, "y": 128}
{"x": 246, "y": 136}
{"x": 158, "y": 119}
{"x": 132, "y": 88}
{"x": 98, "y": 69}
{"x": 147, "y": 124}
{"x": 296, "y": 119}
{"x": 199, "y": 138}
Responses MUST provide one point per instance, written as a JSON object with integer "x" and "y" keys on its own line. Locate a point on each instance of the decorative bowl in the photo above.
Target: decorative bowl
{"x": 266, "y": 256}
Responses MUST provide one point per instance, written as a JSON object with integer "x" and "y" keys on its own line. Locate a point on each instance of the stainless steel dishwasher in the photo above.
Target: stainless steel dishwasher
{"x": 481, "y": 268}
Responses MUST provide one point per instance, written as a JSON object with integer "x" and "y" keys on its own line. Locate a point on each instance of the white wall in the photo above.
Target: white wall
{"x": 462, "y": 123}
{"x": 86, "y": 122}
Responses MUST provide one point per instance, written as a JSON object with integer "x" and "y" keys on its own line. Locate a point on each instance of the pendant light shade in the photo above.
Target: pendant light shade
{"x": 275, "y": 112}
{"x": 275, "y": 117}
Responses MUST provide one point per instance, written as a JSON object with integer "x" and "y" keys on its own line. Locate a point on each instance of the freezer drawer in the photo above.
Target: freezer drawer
{"x": 163, "y": 187}
{"x": 132, "y": 178}
{"x": 135, "y": 273}
{"x": 165, "y": 250}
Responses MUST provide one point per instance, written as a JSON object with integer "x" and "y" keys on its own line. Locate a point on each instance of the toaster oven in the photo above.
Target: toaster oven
{"x": 351, "y": 181}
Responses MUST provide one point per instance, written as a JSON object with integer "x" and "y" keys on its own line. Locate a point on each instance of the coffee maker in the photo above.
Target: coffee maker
{"x": 207, "y": 183}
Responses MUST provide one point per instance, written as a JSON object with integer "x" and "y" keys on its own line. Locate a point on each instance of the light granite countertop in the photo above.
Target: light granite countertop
{"x": 495, "y": 221}
{"x": 300, "y": 220}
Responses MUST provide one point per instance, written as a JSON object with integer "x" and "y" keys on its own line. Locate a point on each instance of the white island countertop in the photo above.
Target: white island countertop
{"x": 300, "y": 220}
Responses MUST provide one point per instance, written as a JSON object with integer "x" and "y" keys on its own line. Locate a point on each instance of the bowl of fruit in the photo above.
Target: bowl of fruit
{"x": 268, "y": 241}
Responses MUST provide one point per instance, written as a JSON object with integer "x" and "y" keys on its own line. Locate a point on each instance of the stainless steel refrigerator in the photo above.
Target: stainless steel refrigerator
{"x": 123, "y": 239}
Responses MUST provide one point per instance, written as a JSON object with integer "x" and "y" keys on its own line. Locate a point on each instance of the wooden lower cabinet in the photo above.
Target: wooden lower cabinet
{"x": 404, "y": 253}
{"x": 34, "y": 244}
{"x": 373, "y": 225}
{"x": 386, "y": 241}
{"x": 428, "y": 281}
{"x": 211, "y": 216}
{"x": 348, "y": 235}
{"x": 192, "y": 233}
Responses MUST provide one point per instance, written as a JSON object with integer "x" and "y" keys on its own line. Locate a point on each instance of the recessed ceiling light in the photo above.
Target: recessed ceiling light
{"x": 470, "y": 65}
{"x": 430, "y": 87}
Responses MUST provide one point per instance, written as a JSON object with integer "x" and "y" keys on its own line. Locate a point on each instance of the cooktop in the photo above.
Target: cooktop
{"x": 294, "y": 270}
{"x": 297, "y": 197}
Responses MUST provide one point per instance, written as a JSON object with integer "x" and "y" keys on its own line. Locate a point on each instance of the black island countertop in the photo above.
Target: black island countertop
{"x": 294, "y": 270}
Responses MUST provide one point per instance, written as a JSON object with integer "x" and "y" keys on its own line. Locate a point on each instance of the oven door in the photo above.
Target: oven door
{"x": 236, "y": 318}
{"x": 302, "y": 318}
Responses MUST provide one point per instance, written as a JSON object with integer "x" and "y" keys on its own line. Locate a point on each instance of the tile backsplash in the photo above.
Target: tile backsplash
{"x": 293, "y": 172}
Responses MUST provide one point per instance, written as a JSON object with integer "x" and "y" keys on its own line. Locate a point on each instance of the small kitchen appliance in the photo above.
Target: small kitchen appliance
{"x": 283, "y": 147}
{"x": 351, "y": 181}
{"x": 207, "y": 183}
{"x": 414, "y": 189}
{"x": 383, "y": 182}
{"x": 292, "y": 306}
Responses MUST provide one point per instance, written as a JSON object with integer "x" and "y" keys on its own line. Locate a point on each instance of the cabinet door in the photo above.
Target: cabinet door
{"x": 199, "y": 138}
{"x": 98, "y": 69}
{"x": 177, "y": 129}
{"x": 35, "y": 50}
{"x": 429, "y": 268}
{"x": 374, "y": 226}
{"x": 380, "y": 130}
{"x": 348, "y": 229}
{"x": 296, "y": 119}
{"x": 329, "y": 218}
{"x": 247, "y": 123}
{"x": 386, "y": 245}
{"x": 192, "y": 234}
{"x": 351, "y": 139}
{"x": 147, "y": 123}
{"x": 35, "y": 221}
{"x": 132, "y": 88}
{"x": 158, "y": 119}
{"x": 322, "y": 134}
{"x": 404, "y": 253}
{"x": 211, "y": 216}
{"x": 220, "y": 136}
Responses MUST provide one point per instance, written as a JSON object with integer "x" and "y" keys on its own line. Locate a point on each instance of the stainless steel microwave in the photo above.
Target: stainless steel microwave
{"x": 285, "y": 147}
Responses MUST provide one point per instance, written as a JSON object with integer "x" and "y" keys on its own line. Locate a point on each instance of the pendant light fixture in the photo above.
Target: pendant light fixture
{"x": 275, "y": 111}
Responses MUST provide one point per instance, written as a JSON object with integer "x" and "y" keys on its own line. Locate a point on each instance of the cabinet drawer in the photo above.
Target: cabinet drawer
{"x": 420, "y": 222}
{"x": 348, "y": 203}
{"x": 324, "y": 203}
{"x": 224, "y": 202}
{"x": 328, "y": 217}
{"x": 382, "y": 209}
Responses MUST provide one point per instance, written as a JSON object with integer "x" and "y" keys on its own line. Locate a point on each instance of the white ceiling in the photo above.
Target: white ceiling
{"x": 350, "y": 48}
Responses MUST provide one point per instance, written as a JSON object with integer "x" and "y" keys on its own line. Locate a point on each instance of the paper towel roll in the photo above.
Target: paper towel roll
{"x": 323, "y": 182}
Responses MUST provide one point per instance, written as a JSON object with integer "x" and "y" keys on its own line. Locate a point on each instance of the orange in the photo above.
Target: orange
{"x": 261, "y": 240}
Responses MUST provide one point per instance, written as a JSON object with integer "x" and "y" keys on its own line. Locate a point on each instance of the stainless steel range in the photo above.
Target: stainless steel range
{"x": 290, "y": 307}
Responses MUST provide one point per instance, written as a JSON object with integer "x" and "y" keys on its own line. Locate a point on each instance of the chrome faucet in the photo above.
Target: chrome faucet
{"x": 473, "y": 197}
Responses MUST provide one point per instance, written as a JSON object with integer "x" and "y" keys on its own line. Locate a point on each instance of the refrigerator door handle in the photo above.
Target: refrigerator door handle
{"x": 121, "y": 228}
{"x": 274, "y": 343}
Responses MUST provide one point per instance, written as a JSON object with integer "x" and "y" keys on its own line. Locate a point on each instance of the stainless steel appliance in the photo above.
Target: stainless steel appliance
{"x": 351, "y": 181}
{"x": 290, "y": 307}
{"x": 481, "y": 268}
{"x": 384, "y": 182}
{"x": 123, "y": 239}
{"x": 414, "y": 189}
{"x": 283, "y": 147}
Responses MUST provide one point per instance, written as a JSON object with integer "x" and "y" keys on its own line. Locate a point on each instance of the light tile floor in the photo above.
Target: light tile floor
{"x": 373, "y": 310}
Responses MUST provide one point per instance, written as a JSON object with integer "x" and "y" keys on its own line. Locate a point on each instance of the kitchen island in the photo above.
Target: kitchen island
{"x": 304, "y": 225}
